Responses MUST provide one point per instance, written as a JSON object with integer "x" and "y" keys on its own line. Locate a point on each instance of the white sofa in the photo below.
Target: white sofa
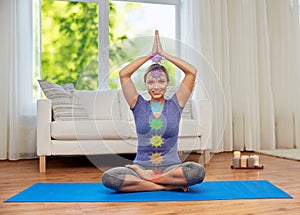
{"x": 109, "y": 127}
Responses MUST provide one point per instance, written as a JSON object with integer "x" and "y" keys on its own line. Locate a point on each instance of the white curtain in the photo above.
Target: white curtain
{"x": 17, "y": 107}
{"x": 252, "y": 51}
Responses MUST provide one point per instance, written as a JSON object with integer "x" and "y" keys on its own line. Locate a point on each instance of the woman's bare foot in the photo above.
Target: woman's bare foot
{"x": 148, "y": 175}
{"x": 155, "y": 176}
{"x": 179, "y": 188}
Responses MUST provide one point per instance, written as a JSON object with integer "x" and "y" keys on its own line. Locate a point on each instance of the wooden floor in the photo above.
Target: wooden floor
{"x": 18, "y": 175}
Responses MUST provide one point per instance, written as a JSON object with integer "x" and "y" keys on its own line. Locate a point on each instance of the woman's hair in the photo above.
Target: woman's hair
{"x": 156, "y": 66}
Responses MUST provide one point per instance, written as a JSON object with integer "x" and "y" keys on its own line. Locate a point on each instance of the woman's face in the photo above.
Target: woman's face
{"x": 156, "y": 83}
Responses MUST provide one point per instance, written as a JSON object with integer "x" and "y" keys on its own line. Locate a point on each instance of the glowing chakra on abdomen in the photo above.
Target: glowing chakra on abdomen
{"x": 156, "y": 158}
{"x": 156, "y": 141}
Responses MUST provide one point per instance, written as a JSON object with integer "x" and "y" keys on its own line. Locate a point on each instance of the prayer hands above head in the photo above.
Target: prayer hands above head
{"x": 157, "y": 51}
{"x": 157, "y": 42}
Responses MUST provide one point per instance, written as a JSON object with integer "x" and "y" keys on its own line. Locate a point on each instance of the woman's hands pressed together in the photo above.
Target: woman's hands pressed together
{"x": 156, "y": 54}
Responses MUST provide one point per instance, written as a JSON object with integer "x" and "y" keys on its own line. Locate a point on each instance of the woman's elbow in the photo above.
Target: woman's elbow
{"x": 122, "y": 74}
{"x": 194, "y": 71}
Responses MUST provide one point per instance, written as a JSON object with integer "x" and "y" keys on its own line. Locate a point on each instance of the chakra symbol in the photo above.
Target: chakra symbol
{"x": 156, "y": 107}
{"x": 157, "y": 73}
{"x": 156, "y": 124}
{"x": 156, "y": 141}
{"x": 156, "y": 158}
{"x": 156, "y": 58}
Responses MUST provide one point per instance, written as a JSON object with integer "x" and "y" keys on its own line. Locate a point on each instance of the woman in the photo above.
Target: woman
{"x": 157, "y": 165}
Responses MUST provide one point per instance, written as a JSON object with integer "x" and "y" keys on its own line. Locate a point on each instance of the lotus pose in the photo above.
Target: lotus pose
{"x": 157, "y": 165}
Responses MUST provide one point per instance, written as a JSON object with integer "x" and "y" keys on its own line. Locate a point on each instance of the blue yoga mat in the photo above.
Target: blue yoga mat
{"x": 96, "y": 192}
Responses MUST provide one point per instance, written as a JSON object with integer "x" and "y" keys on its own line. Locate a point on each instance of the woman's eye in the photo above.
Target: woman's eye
{"x": 150, "y": 82}
{"x": 161, "y": 81}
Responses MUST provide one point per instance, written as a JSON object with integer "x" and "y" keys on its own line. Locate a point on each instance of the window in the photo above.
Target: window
{"x": 69, "y": 42}
{"x": 139, "y": 19}
{"x": 299, "y": 10}
{"x": 86, "y": 41}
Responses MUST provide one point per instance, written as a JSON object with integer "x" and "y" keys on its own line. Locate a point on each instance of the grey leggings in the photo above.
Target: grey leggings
{"x": 114, "y": 178}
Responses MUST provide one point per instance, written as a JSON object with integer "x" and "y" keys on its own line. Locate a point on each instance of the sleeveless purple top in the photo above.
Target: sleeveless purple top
{"x": 157, "y": 137}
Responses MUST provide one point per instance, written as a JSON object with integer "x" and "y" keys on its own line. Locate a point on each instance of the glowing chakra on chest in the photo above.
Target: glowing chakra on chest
{"x": 156, "y": 158}
{"x": 156, "y": 141}
{"x": 156, "y": 124}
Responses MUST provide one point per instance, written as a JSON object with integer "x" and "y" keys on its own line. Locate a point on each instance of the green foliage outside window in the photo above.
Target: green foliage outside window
{"x": 70, "y": 44}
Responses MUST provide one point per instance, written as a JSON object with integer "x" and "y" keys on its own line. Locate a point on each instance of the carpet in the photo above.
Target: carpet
{"x": 96, "y": 192}
{"x": 293, "y": 154}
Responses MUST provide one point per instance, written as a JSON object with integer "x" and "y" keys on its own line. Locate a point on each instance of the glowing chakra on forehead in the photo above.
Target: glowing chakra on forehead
{"x": 157, "y": 73}
{"x": 156, "y": 107}
{"x": 156, "y": 158}
{"x": 156, "y": 141}
{"x": 156, "y": 124}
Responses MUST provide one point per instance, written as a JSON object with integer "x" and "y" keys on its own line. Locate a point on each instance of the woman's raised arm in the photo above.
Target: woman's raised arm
{"x": 186, "y": 87}
{"x": 128, "y": 86}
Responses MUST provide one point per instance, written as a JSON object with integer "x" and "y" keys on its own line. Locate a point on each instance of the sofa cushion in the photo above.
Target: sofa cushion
{"x": 101, "y": 104}
{"x": 189, "y": 128}
{"x": 65, "y": 106}
{"x": 90, "y": 130}
{"x": 126, "y": 113}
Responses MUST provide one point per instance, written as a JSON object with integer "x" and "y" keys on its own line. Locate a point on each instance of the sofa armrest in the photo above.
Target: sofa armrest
{"x": 202, "y": 111}
{"x": 44, "y": 118}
